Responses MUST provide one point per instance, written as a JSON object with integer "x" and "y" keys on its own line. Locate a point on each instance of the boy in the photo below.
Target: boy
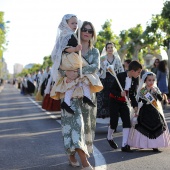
{"x": 118, "y": 104}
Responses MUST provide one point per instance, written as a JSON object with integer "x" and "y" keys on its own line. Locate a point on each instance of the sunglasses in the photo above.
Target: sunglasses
{"x": 90, "y": 31}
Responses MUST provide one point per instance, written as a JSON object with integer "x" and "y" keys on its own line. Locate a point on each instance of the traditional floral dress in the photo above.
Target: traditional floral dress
{"x": 79, "y": 129}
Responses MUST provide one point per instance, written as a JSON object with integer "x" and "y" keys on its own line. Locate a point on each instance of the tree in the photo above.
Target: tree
{"x": 166, "y": 23}
{"x": 23, "y": 73}
{"x": 130, "y": 41}
{"x": 2, "y": 33}
{"x": 47, "y": 62}
{"x": 2, "y": 40}
{"x": 135, "y": 41}
{"x": 35, "y": 68}
{"x": 106, "y": 35}
{"x": 166, "y": 16}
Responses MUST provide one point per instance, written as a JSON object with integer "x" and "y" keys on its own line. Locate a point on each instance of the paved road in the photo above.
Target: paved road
{"x": 31, "y": 139}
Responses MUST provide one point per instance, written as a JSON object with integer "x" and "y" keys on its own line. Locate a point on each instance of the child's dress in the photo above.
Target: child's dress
{"x": 72, "y": 62}
{"x": 151, "y": 131}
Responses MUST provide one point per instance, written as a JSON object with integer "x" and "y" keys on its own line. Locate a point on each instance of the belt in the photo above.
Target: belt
{"x": 122, "y": 99}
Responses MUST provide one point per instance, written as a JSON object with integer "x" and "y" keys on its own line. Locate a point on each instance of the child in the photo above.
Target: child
{"x": 68, "y": 45}
{"x": 151, "y": 131}
{"x": 118, "y": 104}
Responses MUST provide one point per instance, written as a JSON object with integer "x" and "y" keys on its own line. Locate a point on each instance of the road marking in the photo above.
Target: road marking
{"x": 100, "y": 163}
{"x": 48, "y": 113}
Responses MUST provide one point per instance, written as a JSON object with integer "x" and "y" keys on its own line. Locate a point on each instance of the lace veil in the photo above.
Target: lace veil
{"x": 117, "y": 64}
{"x": 115, "y": 53}
{"x": 64, "y": 33}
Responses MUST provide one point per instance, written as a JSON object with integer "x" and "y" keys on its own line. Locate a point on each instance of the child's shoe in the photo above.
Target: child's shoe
{"x": 88, "y": 101}
{"x": 67, "y": 108}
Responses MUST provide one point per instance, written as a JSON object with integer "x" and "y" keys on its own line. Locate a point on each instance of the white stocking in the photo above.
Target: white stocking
{"x": 68, "y": 96}
{"x": 110, "y": 133}
{"x": 125, "y": 136}
{"x": 86, "y": 90}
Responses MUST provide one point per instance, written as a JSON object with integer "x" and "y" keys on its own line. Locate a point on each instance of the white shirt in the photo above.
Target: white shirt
{"x": 128, "y": 82}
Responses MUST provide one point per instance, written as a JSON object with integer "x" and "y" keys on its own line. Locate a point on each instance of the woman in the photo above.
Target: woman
{"x": 155, "y": 66}
{"x": 78, "y": 129}
{"x": 162, "y": 78}
{"x": 111, "y": 57}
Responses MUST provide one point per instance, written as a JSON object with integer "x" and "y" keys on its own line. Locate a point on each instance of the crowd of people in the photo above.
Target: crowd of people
{"x": 85, "y": 86}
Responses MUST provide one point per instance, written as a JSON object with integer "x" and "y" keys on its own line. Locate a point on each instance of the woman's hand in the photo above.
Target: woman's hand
{"x": 72, "y": 74}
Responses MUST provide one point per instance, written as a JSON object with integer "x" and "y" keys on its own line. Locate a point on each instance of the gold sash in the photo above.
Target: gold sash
{"x": 148, "y": 96}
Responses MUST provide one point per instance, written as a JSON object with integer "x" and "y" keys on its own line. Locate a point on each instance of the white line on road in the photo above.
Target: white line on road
{"x": 100, "y": 163}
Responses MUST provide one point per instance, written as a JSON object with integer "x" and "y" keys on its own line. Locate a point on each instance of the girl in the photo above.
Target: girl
{"x": 151, "y": 130}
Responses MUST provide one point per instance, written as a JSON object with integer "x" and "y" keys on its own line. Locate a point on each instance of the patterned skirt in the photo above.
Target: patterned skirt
{"x": 103, "y": 97}
{"x": 79, "y": 129}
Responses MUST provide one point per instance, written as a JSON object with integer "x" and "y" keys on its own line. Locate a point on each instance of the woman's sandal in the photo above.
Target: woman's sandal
{"x": 74, "y": 164}
{"x": 88, "y": 168}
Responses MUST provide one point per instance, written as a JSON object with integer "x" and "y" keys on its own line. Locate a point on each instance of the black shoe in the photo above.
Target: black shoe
{"x": 67, "y": 108}
{"x": 155, "y": 150}
{"x": 88, "y": 101}
{"x": 126, "y": 148}
{"x": 112, "y": 144}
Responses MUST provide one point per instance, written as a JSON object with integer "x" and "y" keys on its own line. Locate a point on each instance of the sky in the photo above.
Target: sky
{"x": 33, "y": 23}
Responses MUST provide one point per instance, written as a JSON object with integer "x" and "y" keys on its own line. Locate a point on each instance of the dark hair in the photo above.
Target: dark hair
{"x": 147, "y": 77}
{"x": 162, "y": 66}
{"x": 109, "y": 43}
{"x": 128, "y": 61}
{"x": 155, "y": 62}
{"x": 134, "y": 65}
